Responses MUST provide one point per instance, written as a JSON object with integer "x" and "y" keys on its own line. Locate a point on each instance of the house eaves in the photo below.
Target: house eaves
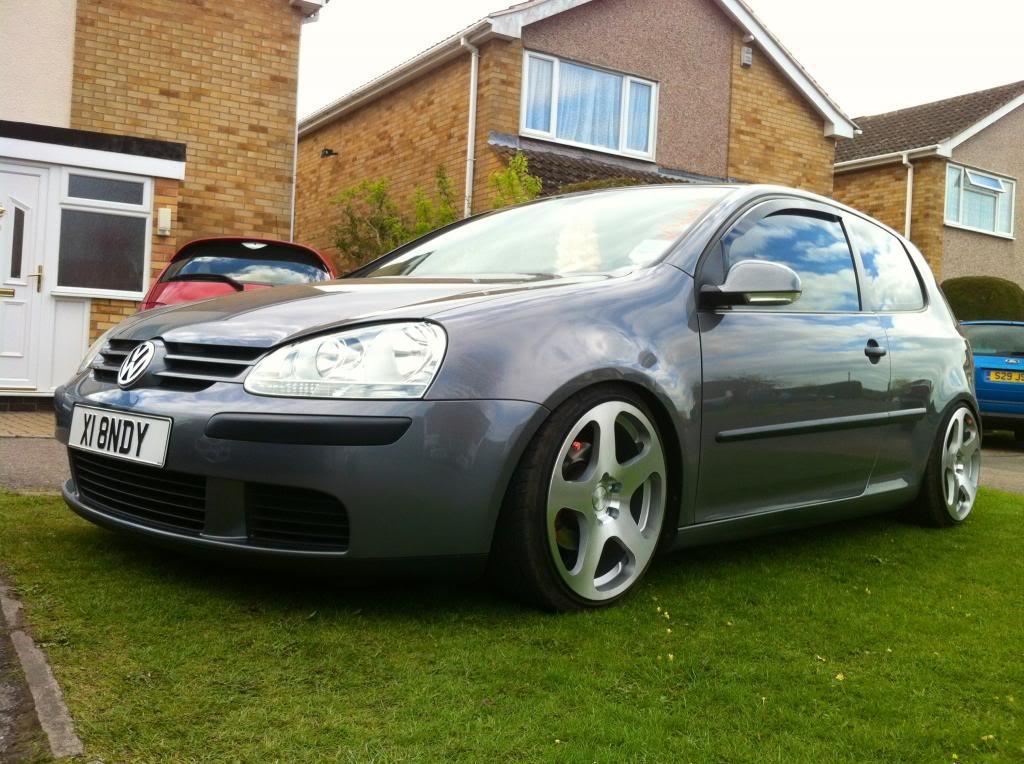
{"x": 508, "y": 24}
{"x": 308, "y": 8}
{"x": 943, "y": 148}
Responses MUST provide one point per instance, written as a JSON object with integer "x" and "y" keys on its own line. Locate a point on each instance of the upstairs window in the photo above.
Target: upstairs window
{"x": 979, "y": 201}
{"x": 589, "y": 107}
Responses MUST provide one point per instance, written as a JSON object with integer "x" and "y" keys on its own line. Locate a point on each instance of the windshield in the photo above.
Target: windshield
{"x": 247, "y": 263}
{"x": 995, "y": 339}
{"x": 591, "y": 233}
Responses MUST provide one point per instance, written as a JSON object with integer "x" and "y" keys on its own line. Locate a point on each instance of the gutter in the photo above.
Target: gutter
{"x": 936, "y": 149}
{"x": 474, "y": 71}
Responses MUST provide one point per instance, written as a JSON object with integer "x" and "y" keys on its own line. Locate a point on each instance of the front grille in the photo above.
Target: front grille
{"x": 295, "y": 518}
{"x": 111, "y": 358}
{"x": 188, "y": 366}
{"x": 138, "y": 492}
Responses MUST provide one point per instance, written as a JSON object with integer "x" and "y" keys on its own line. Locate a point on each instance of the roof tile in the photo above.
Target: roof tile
{"x": 924, "y": 125}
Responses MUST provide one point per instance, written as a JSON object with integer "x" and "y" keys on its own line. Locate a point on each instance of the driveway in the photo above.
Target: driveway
{"x": 30, "y": 459}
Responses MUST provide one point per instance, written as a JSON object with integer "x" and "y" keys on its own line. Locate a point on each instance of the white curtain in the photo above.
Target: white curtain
{"x": 538, "y": 94}
{"x": 589, "y": 106}
{"x": 638, "y": 129}
{"x": 979, "y": 210}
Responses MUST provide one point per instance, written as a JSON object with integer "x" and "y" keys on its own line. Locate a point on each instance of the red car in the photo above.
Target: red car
{"x": 224, "y": 265}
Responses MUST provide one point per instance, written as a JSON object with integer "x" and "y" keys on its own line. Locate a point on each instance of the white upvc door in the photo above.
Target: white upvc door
{"x": 43, "y": 333}
{"x": 23, "y": 319}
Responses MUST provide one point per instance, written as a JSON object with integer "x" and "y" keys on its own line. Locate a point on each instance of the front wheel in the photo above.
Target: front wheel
{"x": 950, "y": 483}
{"x": 586, "y": 508}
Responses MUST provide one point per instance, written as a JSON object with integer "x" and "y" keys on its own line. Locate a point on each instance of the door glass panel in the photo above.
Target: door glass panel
{"x": 891, "y": 279}
{"x": 105, "y": 189}
{"x": 17, "y": 242}
{"x": 101, "y": 251}
{"x": 816, "y": 248}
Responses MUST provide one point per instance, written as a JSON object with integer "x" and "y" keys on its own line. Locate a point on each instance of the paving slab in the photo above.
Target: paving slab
{"x": 26, "y": 424}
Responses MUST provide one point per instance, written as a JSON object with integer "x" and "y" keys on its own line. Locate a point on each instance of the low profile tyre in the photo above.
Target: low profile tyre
{"x": 950, "y": 483}
{"x": 587, "y": 506}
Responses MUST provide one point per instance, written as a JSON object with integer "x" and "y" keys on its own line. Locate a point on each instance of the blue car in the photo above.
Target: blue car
{"x": 999, "y": 372}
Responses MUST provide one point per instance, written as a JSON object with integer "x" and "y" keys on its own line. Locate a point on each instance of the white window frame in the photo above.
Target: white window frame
{"x": 1002, "y": 179}
{"x": 550, "y": 133}
{"x": 143, "y": 210}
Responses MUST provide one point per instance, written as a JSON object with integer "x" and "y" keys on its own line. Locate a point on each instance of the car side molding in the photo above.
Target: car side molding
{"x": 819, "y": 425}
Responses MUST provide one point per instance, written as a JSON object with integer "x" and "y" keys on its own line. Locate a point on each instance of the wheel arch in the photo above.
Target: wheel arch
{"x": 660, "y": 407}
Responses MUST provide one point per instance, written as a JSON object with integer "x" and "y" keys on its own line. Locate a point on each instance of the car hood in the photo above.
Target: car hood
{"x": 267, "y": 317}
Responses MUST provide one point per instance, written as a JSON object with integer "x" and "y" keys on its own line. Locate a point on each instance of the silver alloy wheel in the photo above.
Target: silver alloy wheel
{"x": 604, "y": 516}
{"x": 961, "y": 463}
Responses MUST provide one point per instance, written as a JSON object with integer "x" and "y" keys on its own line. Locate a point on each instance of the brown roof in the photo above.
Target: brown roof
{"x": 558, "y": 166}
{"x": 924, "y": 125}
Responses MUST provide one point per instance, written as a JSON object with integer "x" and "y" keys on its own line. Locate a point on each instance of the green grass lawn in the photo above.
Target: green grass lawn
{"x": 868, "y": 641}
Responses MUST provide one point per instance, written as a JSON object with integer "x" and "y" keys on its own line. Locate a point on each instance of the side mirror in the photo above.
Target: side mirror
{"x": 753, "y": 282}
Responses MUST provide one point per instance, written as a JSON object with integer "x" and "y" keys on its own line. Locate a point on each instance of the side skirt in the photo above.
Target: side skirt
{"x": 880, "y": 498}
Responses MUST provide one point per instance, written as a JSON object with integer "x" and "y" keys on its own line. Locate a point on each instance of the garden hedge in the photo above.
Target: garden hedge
{"x": 976, "y": 298}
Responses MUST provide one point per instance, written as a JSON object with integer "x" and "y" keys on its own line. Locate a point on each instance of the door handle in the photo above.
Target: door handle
{"x": 874, "y": 351}
{"x": 38, "y": 275}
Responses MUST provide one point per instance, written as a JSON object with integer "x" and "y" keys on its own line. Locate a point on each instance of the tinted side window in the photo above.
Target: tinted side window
{"x": 814, "y": 247}
{"x": 890, "y": 279}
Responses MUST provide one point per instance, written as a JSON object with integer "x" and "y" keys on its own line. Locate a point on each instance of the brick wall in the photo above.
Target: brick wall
{"x": 775, "y": 136}
{"x": 926, "y": 217}
{"x": 881, "y": 192}
{"x": 501, "y": 76}
{"x": 105, "y": 313}
{"x": 406, "y": 135}
{"x": 219, "y": 75}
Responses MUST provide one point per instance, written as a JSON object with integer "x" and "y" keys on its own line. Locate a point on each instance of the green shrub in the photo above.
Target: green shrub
{"x": 372, "y": 223}
{"x": 595, "y": 185}
{"x": 977, "y": 298}
{"x": 514, "y": 184}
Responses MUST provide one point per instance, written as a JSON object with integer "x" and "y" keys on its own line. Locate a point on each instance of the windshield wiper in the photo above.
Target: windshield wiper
{"x": 236, "y": 285}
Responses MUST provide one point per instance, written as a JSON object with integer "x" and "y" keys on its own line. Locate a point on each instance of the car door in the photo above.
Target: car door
{"x": 923, "y": 345}
{"x": 793, "y": 396}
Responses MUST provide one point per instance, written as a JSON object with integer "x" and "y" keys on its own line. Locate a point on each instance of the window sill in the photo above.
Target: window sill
{"x": 996, "y": 234}
{"x": 527, "y": 133}
{"x": 97, "y": 294}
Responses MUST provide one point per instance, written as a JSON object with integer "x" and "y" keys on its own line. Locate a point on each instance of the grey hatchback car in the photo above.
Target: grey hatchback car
{"x": 554, "y": 392}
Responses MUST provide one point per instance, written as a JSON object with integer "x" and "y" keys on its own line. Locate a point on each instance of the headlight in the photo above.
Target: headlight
{"x": 93, "y": 351}
{"x": 382, "y": 361}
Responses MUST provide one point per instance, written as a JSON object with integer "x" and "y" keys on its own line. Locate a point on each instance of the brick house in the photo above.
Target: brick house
{"x": 945, "y": 173}
{"x": 658, "y": 90}
{"x": 128, "y": 128}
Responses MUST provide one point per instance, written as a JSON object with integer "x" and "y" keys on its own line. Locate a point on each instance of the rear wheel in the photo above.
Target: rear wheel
{"x": 950, "y": 483}
{"x": 587, "y": 506}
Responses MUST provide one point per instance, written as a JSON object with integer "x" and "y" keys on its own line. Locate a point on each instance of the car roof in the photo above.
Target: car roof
{"x": 184, "y": 248}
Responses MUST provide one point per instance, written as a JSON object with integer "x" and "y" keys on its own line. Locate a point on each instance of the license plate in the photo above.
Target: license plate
{"x": 125, "y": 436}
{"x": 1004, "y": 376}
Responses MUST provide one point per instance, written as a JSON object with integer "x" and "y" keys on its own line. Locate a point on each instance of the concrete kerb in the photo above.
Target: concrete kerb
{"x": 47, "y": 697}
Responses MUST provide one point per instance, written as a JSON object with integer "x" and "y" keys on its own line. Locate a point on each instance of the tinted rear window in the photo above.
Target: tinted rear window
{"x": 890, "y": 279}
{"x": 249, "y": 263}
{"x": 993, "y": 339}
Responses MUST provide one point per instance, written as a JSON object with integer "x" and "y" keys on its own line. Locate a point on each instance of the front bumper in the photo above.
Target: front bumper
{"x": 434, "y": 492}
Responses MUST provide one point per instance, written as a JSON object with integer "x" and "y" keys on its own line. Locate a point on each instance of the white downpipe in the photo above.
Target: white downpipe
{"x": 910, "y": 194}
{"x": 474, "y": 69}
